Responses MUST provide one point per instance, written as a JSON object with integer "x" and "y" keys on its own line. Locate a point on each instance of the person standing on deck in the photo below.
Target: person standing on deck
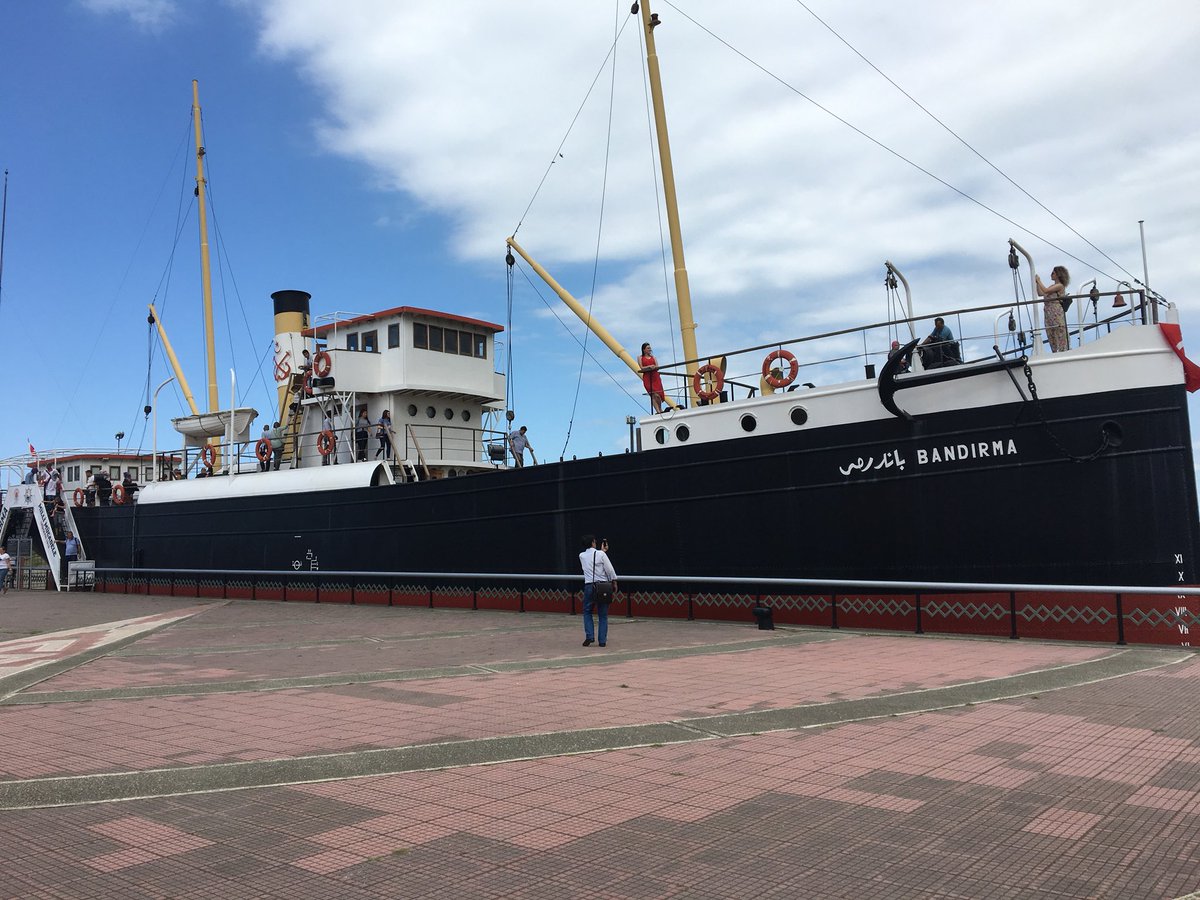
{"x": 384, "y": 435}
{"x": 362, "y": 433}
{"x": 651, "y": 379}
{"x": 1052, "y": 309}
{"x": 517, "y": 442}
{"x": 276, "y": 445}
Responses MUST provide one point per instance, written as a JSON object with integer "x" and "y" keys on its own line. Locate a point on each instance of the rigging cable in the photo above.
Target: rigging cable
{"x": 558, "y": 151}
{"x": 612, "y": 95}
{"x": 884, "y": 146}
{"x": 961, "y": 139}
{"x": 98, "y": 338}
{"x": 509, "y": 390}
{"x": 3, "y": 229}
{"x": 554, "y": 312}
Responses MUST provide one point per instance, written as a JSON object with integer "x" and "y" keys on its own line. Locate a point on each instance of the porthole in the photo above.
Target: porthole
{"x": 430, "y": 412}
{"x": 683, "y": 433}
{"x": 660, "y": 435}
{"x": 449, "y": 413}
{"x": 799, "y": 415}
{"x": 412, "y": 409}
{"x": 466, "y": 415}
{"x": 1112, "y": 433}
{"x": 749, "y": 423}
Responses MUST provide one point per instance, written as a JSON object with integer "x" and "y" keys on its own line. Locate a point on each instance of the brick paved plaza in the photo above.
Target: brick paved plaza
{"x": 163, "y": 747}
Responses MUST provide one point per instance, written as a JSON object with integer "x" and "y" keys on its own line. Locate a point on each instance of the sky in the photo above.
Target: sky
{"x": 377, "y": 154}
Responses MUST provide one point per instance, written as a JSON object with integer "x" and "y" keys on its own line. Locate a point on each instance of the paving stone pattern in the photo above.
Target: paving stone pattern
{"x": 1075, "y": 787}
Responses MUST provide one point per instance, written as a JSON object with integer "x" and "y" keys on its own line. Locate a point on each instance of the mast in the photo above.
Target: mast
{"x": 205, "y": 273}
{"x": 683, "y": 293}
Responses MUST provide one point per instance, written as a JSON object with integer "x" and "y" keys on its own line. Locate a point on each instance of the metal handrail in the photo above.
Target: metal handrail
{"x": 947, "y": 586}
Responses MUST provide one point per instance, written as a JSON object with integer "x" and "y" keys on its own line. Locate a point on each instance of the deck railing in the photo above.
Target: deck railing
{"x": 1117, "y": 614}
{"x": 835, "y": 356}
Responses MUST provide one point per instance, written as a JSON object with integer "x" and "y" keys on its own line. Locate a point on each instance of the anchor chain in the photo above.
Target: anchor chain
{"x": 1105, "y": 441}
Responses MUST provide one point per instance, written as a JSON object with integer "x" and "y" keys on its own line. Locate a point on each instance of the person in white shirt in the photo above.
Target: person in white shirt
{"x": 6, "y": 569}
{"x": 518, "y": 442}
{"x": 596, "y": 567}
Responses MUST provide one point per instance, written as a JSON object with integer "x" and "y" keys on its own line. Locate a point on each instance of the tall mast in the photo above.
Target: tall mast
{"x": 683, "y": 293}
{"x": 205, "y": 275}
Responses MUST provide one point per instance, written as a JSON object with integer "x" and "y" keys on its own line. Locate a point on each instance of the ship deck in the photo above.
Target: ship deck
{"x": 160, "y": 746}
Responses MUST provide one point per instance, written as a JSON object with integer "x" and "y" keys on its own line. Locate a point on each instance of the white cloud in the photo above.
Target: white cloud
{"x": 787, "y": 214}
{"x": 152, "y": 15}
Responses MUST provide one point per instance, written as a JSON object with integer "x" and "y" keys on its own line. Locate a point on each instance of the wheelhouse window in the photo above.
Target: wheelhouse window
{"x": 370, "y": 341}
{"x": 352, "y": 341}
{"x": 443, "y": 340}
{"x": 393, "y": 336}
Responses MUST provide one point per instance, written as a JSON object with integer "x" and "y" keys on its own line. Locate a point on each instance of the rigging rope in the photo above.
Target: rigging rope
{"x": 612, "y": 95}
{"x": 961, "y": 139}
{"x": 885, "y": 147}
{"x": 558, "y": 151}
{"x": 554, "y": 312}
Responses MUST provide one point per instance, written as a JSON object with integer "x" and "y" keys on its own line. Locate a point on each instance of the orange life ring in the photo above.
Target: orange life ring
{"x": 118, "y": 493}
{"x": 262, "y": 449}
{"x": 322, "y": 363}
{"x": 307, "y": 387}
{"x": 718, "y": 381}
{"x": 793, "y": 369}
{"x": 79, "y": 496}
{"x": 208, "y": 455}
{"x": 325, "y": 442}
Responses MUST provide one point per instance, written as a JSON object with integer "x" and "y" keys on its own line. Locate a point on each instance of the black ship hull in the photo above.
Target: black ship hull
{"x": 996, "y": 494}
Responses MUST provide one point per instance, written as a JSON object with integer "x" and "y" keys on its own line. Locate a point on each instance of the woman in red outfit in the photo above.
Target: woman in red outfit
{"x": 651, "y": 380}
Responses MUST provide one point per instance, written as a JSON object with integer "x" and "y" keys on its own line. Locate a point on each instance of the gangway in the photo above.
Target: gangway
{"x": 25, "y": 508}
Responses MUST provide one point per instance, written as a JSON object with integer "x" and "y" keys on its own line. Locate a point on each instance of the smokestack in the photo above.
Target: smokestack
{"x": 291, "y": 321}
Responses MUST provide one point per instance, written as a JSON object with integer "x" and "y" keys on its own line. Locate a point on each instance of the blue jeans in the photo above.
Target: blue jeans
{"x": 601, "y": 615}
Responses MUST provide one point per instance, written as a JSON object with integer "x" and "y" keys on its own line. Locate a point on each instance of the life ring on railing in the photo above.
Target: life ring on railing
{"x": 322, "y": 363}
{"x": 262, "y": 449}
{"x": 718, "y": 381}
{"x": 793, "y": 369}
{"x": 306, "y": 387}
{"x": 325, "y": 442}
{"x": 79, "y": 496}
{"x": 208, "y": 455}
{"x": 118, "y": 493}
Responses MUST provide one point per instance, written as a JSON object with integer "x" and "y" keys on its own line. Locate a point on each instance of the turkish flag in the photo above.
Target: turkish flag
{"x": 1191, "y": 371}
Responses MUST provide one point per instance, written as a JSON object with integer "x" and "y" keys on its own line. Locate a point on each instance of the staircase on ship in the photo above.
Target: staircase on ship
{"x": 26, "y": 522}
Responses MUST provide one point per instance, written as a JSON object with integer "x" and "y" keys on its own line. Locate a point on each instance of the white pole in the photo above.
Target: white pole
{"x": 232, "y": 410}
{"x": 154, "y": 431}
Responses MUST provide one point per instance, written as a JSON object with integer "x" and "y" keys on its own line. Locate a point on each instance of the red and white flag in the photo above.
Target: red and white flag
{"x": 32, "y": 452}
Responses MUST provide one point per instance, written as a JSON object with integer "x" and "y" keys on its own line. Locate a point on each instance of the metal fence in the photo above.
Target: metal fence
{"x": 1099, "y": 613}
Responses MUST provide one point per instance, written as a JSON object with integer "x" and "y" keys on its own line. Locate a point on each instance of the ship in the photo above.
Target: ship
{"x": 982, "y": 459}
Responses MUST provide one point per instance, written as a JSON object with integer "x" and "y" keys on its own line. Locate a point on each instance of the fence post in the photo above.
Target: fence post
{"x": 833, "y": 610}
{"x": 1120, "y": 623}
{"x": 920, "y": 630}
{"x": 691, "y": 608}
{"x": 1012, "y": 613}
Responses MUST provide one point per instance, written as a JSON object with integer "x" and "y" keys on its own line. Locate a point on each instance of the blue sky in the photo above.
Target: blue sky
{"x": 377, "y": 154}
